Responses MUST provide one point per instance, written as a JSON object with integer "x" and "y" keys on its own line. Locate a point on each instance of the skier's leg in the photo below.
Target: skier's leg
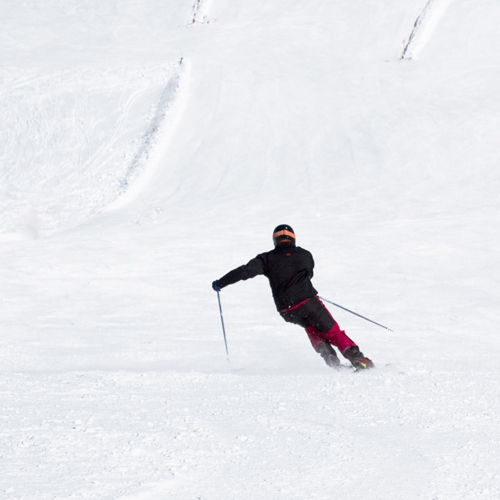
{"x": 348, "y": 348}
{"x": 323, "y": 347}
{"x": 338, "y": 338}
{"x": 300, "y": 316}
{"x": 328, "y": 353}
{"x": 323, "y": 331}
{"x": 315, "y": 337}
{"x": 326, "y": 327}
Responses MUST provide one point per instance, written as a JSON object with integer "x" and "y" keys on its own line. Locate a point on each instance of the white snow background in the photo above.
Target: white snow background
{"x": 144, "y": 155}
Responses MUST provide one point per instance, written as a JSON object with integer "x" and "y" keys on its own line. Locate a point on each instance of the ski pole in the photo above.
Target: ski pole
{"x": 356, "y": 314}
{"x": 223, "y": 329}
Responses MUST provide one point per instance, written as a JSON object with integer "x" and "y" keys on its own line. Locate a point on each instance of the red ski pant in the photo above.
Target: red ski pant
{"x": 335, "y": 336}
{"x": 318, "y": 323}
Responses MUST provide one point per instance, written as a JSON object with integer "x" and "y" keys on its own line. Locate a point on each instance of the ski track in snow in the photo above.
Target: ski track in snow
{"x": 424, "y": 26}
{"x": 136, "y": 175}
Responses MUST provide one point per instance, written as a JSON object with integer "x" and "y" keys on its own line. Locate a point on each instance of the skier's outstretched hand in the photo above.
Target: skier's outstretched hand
{"x": 216, "y": 286}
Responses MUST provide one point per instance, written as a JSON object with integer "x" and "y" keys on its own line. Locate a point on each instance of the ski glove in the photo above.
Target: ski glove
{"x": 216, "y": 286}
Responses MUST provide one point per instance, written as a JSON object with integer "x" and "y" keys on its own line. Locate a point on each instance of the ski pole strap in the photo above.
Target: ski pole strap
{"x": 355, "y": 314}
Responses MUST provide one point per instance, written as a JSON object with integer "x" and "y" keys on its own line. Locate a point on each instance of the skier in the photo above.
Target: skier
{"x": 289, "y": 269}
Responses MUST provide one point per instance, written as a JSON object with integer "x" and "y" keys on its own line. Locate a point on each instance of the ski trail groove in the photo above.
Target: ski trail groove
{"x": 424, "y": 27}
{"x": 130, "y": 184}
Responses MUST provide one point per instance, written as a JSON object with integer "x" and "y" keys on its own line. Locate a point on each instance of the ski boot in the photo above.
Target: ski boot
{"x": 357, "y": 358}
{"x": 328, "y": 353}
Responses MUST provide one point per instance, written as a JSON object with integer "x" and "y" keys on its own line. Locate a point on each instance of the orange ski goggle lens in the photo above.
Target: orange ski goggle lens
{"x": 277, "y": 234}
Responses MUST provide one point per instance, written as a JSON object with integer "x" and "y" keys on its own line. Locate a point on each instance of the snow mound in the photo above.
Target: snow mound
{"x": 75, "y": 140}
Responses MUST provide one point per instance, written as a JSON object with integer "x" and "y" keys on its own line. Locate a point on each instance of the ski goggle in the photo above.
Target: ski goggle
{"x": 283, "y": 235}
{"x": 284, "y": 232}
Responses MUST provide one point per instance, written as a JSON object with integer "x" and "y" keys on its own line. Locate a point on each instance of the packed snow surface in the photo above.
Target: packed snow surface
{"x": 149, "y": 147}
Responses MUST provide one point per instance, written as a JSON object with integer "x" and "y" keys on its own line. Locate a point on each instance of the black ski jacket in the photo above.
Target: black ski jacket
{"x": 289, "y": 270}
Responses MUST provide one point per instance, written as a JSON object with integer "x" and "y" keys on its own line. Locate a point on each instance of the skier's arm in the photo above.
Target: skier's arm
{"x": 310, "y": 265}
{"x": 311, "y": 268}
{"x": 250, "y": 270}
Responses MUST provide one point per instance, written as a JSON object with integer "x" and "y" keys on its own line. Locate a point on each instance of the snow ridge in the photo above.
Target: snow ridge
{"x": 424, "y": 27}
{"x": 74, "y": 139}
{"x": 150, "y": 137}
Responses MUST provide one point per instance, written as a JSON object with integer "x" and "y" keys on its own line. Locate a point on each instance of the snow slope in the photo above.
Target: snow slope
{"x": 144, "y": 155}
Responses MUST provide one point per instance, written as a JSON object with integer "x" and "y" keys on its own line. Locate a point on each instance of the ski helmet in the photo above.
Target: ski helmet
{"x": 283, "y": 234}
